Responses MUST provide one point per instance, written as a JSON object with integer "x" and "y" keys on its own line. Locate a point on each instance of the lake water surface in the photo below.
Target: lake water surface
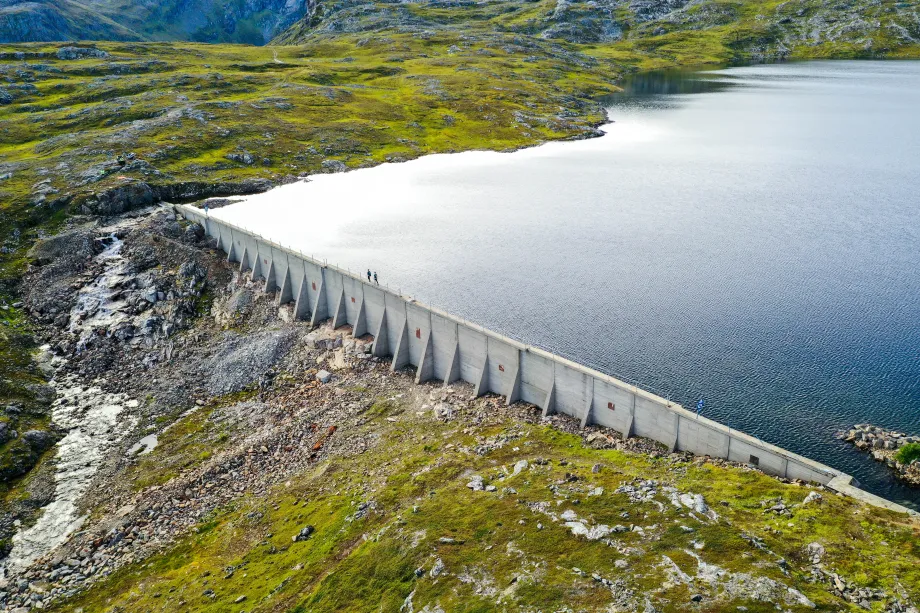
{"x": 749, "y": 235}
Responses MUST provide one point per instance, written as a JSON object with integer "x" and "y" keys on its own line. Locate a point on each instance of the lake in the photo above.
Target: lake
{"x": 749, "y": 235}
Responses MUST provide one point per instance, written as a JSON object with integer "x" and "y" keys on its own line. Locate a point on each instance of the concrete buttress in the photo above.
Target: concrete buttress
{"x": 339, "y": 318}
{"x": 425, "y": 370}
{"x": 286, "y": 293}
{"x": 453, "y": 371}
{"x": 360, "y": 327}
{"x": 270, "y": 283}
{"x": 401, "y": 351}
{"x": 549, "y": 404}
{"x": 320, "y": 311}
{"x": 381, "y": 348}
{"x": 482, "y": 383}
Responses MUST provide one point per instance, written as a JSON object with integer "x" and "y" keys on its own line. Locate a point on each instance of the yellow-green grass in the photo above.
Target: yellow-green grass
{"x": 416, "y": 478}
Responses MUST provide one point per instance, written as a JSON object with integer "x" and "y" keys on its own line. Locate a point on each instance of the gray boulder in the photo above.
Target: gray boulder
{"x": 38, "y": 440}
{"x": 79, "y": 53}
{"x": 121, "y": 199}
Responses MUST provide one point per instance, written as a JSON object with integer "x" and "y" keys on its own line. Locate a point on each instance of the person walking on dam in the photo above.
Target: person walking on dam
{"x": 368, "y": 275}
{"x": 375, "y": 278}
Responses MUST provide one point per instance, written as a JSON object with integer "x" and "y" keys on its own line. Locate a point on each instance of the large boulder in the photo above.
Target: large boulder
{"x": 75, "y": 245}
{"x": 38, "y": 440}
{"x": 120, "y": 199}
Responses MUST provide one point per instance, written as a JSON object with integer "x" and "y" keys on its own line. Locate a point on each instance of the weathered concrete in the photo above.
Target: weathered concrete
{"x": 446, "y": 348}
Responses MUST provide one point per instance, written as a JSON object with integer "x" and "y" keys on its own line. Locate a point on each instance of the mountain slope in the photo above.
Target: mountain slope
{"x": 235, "y": 21}
{"x": 746, "y": 30}
{"x": 42, "y": 20}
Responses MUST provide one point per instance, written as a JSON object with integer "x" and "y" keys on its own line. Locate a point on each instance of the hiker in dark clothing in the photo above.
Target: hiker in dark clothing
{"x": 375, "y": 278}
{"x": 368, "y": 275}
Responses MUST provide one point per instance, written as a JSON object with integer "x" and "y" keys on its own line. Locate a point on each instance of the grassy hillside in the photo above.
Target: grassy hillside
{"x": 148, "y": 121}
{"x": 556, "y": 525}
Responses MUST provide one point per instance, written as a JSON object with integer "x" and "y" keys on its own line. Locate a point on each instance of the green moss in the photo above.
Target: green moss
{"x": 478, "y": 78}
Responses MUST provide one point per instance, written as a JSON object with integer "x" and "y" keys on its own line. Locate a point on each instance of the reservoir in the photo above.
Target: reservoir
{"x": 750, "y": 236}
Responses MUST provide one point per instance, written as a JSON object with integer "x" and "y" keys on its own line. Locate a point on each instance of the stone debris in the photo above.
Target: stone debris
{"x": 476, "y": 484}
{"x": 815, "y": 552}
{"x": 813, "y": 497}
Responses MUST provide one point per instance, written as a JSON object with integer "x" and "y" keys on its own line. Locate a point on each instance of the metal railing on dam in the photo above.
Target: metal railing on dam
{"x": 446, "y": 348}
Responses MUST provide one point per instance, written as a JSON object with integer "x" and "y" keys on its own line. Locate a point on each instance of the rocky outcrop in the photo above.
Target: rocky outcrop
{"x": 25, "y": 450}
{"x": 139, "y": 194}
{"x": 80, "y": 53}
{"x": 884, "y": 446}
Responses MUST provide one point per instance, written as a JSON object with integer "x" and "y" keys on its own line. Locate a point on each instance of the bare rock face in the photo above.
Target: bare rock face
{"x": 38, "y": 20}
{"x": 121, "y": 199}
{"x": 234, "y": 309}
{"x": 76, "y": 244}
{"x": 140, "y": 194}
{"x": 55, "y": 263}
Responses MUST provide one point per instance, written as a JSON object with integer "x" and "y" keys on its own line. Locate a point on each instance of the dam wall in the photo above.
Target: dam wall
{"x": 445, "y": 348}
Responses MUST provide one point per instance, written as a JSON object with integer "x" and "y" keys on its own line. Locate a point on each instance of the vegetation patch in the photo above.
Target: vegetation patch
{"x": 401, "y": 524}
{"x": 908, "y": 453}
{"x": 189, "y": 440}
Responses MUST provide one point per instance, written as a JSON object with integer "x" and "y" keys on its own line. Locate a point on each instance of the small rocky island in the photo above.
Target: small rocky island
{"x": 899, "y": 451}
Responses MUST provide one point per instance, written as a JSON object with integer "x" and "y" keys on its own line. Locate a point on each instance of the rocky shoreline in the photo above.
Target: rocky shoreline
{"x": 883, "y": 445}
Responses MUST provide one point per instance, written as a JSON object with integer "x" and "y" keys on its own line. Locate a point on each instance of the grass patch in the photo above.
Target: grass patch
{"x": 503, "y": 549}
{"x": 908, "y": 453}
{"x": 184, "y": 443}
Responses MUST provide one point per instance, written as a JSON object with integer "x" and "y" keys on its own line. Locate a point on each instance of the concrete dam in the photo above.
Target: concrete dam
{"x": 446, "y": 348}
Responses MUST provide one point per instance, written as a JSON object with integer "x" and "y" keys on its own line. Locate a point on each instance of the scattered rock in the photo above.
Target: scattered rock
{"x": 476, "y": 484}
{"x": 79, "y": 53}
{"x": 304, "y": 534}
{"x": 812, "y": 498}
